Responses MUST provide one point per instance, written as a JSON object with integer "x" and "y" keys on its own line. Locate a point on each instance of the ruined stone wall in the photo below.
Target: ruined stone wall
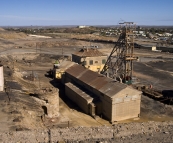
{"x": 51, "y": 98}
{"x": 73, "y": 134}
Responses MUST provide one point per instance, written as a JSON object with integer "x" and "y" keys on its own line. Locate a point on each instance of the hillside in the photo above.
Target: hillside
{"x": 11, "y": 35}
{"x": 1, "y": 29}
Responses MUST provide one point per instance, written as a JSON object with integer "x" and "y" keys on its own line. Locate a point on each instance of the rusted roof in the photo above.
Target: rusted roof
{"x": 97, "y": 84}
{"x": 76, "y": 70}
{"x": 97, "y": 81}
{"x": 89, "y": 52}
{"x": 65, "y": 65}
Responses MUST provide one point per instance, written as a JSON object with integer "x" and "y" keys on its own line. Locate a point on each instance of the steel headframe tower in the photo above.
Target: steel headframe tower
{"x": 119, "y": 64}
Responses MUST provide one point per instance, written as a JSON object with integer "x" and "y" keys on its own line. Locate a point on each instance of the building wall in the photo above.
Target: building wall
{"x": 125, "y": 110}
{"x": 107, "y": 108}
{"x": 75, "y": 94}
{"x": 153, "y": 48}
{"x": 126, "y": 105}
{"x": 99, "y": 108}
{"x": 76, "y": 59}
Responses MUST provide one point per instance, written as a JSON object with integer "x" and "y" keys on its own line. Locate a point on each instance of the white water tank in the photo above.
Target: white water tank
{"x": 1, "y": 78}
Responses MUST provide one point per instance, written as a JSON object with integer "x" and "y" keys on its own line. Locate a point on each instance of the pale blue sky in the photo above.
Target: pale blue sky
{"x": 85, "y": 12}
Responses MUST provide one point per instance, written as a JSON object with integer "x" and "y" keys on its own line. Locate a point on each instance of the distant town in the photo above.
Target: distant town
{"x": 157, "y": 33}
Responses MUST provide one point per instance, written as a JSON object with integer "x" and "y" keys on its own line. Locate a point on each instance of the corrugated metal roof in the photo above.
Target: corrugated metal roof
{"x": 103, "y": 84}
{"x": 114, "y": 88}
{"x": 65, "y": 65}
{"x": 89, "y": 52}
{"x": 99, "y": 82}
{"x": 76, "y": 70}
{"x": 88, "y": 76}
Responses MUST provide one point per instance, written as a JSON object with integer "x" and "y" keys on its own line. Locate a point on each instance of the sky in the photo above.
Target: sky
{"x": 85, "y": 12}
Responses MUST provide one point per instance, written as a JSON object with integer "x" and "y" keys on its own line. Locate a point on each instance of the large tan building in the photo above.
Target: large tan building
{"x": 96, "y": 94}
{"x": 91, "y": 58}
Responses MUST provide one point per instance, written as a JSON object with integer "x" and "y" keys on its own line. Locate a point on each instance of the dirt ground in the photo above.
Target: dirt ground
{"x": 22, "y": 57}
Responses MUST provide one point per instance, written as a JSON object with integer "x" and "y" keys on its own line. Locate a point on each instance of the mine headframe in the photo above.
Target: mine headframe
{"x": 119, "y": 64}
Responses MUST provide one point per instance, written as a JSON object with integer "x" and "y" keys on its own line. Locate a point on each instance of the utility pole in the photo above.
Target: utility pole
{"x": 36, "y": 47}
{"x": 62, "y": 52}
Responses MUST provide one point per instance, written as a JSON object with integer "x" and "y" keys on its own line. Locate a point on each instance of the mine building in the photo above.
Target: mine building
{"x": 90, "y": 58}
{"x": 96, "y": 94}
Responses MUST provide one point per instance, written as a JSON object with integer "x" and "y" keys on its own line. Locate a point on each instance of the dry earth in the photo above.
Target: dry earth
{"x": 20, "y": 112}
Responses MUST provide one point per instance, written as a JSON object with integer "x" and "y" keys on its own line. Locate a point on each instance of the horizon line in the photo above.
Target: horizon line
{"x": 75, "y": 25}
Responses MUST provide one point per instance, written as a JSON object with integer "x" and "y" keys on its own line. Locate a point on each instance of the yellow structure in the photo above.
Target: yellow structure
{"x": 60, "y": 68}
{"x": 90, "y": 58}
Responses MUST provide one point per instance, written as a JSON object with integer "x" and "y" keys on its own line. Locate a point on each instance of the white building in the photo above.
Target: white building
{"x": 141, "y": 32}
{"x": 82, "y": 26}
{"x": 168, "y": 34}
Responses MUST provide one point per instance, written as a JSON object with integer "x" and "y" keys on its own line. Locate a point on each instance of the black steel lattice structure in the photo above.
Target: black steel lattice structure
{"x": 119, "y": 64}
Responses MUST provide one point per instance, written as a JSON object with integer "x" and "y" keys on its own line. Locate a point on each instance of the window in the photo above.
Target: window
{"x": 96, "y": 62}
{"x": 91, "y": 62}
{"x": 103, "y": 61}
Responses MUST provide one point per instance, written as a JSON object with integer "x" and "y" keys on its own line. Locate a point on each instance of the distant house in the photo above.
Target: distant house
{"x": 82, "y": 26}
{"x": 151, "y": 36}
{"x": 141, "y": 32}
{"x": 168, "y": 34}
{"x": 159, "y": 34}
{"x": 136, "y": 32}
